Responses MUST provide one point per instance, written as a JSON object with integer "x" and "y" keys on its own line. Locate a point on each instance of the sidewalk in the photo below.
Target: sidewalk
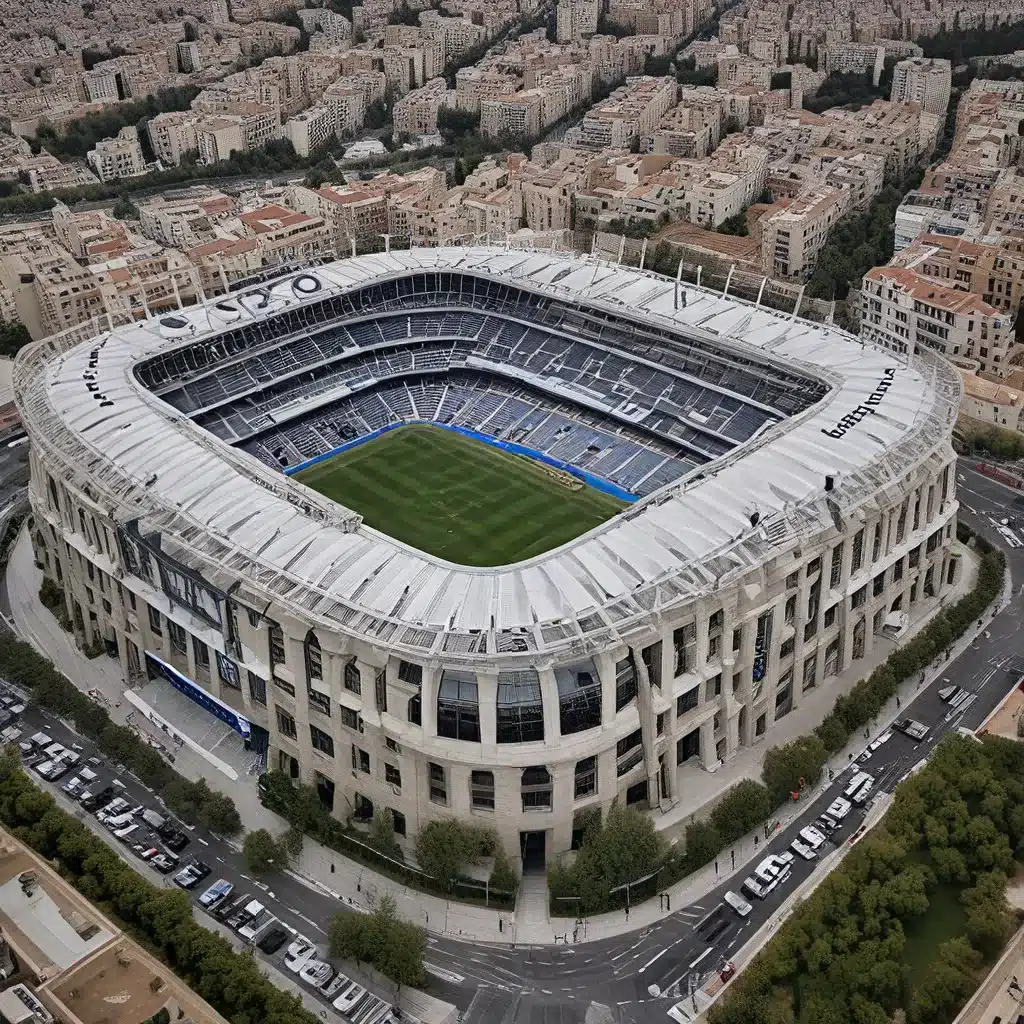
{"x": 352, "y": 882}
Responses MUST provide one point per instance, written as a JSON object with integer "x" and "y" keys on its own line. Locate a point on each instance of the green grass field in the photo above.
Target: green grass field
{"x": 457, "y": 498}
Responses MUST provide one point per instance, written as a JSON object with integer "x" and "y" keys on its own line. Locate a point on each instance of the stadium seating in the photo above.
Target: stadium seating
{"x": 637, "y": 410}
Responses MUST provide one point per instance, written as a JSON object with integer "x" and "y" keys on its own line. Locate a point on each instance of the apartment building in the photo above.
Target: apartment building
{"x": 935, "y": 211}
{"x": 548, "y": 193}
{"x": 576, "y": 19}
{"x": 631, "y": 112}
{"x": 923, "y": 80}
{"x": 739, "y": 69}
{"x": 283, "y": 235}
{"x": 311, "y": 130}
{"x": 854, "y": 58}
{"x": 474, "y": 85}
{"x": 992, "y": 270}
{"x": 455, "y": 35}
{"x": 119, "y": 157}
{"x": 683, "y": 131}
{"x": 902, "y": 310}
{"x": 860, "y": 175}
{"x": 793, "y": 236}
{"x": 184, "y": 220}
{"x": 172, "y": 136}
{"x": 902, "y": 133}
{"x": 417, "y": 112}
{"x": 218, "y": 137}
{"x": 991, "y": 404}
{"x": 518, "y": 115}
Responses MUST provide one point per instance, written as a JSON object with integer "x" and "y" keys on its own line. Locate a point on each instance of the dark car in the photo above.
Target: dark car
{"x": 273, "y": 940}
{"x": 175, "y": 841}
{"x": 98, "y": 800}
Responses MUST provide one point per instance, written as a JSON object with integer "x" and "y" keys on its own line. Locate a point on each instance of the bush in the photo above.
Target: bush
{"x": 625, "y": 848}
{"x": 446, "y": 847}
{"x": 745, "y": 806}
{"x": 395, "y": 948}
{"x": 503, "y": 875}
{"x": 23, "y": 666}
{"x": 789, "y": 768}
{"x": 382, "y": 835}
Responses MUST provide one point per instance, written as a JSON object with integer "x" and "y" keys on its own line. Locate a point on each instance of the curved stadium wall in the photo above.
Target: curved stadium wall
{"x": 795, "y": 507}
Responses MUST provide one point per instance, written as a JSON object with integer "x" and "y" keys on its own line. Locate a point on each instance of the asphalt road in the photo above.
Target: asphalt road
{"x": 558, "y": 983}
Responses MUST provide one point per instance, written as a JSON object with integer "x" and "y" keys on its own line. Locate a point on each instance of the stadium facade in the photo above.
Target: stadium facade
{"x": 794, "y": 507}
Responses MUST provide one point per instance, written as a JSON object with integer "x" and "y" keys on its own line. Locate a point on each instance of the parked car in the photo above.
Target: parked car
{"x": 75, "y": 787}
{"x": 127, "y": 833}
{"x": 165, "y": 863}
{"x": 93, "y": 800}
{"x": 250, "y": 929}
{"x": 177, "y": 841}
{"x": 316, "y": 972}
{"x": 274, "y": 939}
{"x": 349, "y": 997}
{"x": 812, "y": 837}
{"x": 839, "y": 809}
{"x": 116, "y": 806}
{"x": 192, "y": 874}
{"x": 333, "y": 988}
{"x": 298, "y": 954}
{"x": 802, "y": 849}
{"x": 220, "y": 890}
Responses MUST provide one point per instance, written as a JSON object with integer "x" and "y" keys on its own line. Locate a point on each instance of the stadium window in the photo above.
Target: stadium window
{"x": 859, "y": 597}
{"x": 131, "y": 596}
{"x": 661, "y": 723}
{"x": 350, "y": 718}
{"x": 177, "y": 636}
{"x": 410, "y": 673}
{"x": 813, "y": 567}
{"x": 858, "y": 551}
{"x": 687, "y": 701}
{"x": 901, "y": 522}
{"x": 319, "y": 701}
{"x": 737, "y": 638}
{"x": 277, "y": 649}
{"x": 810, "y": 672}
{"x": 438, "y": 784}
{"x": 392, "y": 775}
{"x": 154, "y": 621}
{"x": 651, "y": 656}
{"x": 876, "y": 542}
{"x": 829, "y": 618}
{"x": 282, "y": 685}
{"x": 787, "y": 648}
{"x": 579, "y": 700}
{"x": 629, "y": 752}
{"x": 520, "y": 708}
{"x": 257, "y": 689}
{"x": 790, "y": 610}
{"x": 414, "y": 710}
{"x": 715, "y": 685}
{"x": 321, "y": 741}
{"x": 360, "y": 759}
{"x": 107, "y": 606}
{"x": 585, "y": 778}
{"x": 625, "y": 682}
{"x": 314, "y": 658}
{"x": 91, "y": 570}
{"x": 254, "y": 618}
{"x": 351, "y": 677}
{"x": 392, "y": 745}
{"x": 684, "y": 642}
{"x": 399, "y": 822}
{"x": 535, "y": 788}
{"x": 380, "y": 690}
{"x": 458, "y": 709}
{"x": 228, "y": 672}
{"x": 481, "y": 790}
{"x": 836, "y": 573}
{"x": 286, "y": 724}
{"x": 201, "y": 652}
{"x": 792, "y": 580}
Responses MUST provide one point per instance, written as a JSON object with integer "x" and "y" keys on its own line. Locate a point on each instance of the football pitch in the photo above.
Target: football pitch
{"x": 458, "y": 498}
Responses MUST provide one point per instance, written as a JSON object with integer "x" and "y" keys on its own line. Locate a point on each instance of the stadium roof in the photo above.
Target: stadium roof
{"x": 232, "y": 518}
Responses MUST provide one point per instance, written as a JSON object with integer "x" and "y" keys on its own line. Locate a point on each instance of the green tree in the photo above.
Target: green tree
{"x": 446, "y": 846}
{"x": 263, "y": 854}
{"x": 14, "y": 336}
{"x": 382, "y": 834}
{"x": 789, "y": 768}
{"x": 745, "y": 806}
{"x": 503, "y": 876}
{"x": 350, "y": 937}
{"x": 125, "y": 209}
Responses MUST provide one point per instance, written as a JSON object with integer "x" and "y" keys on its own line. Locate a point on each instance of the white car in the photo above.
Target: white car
{"x": 738, "y": 903}
{"x": 786, "y": 857}
{"x": 298, "y": 954}
{"x": 812, "y": 837}
{"x": 332, "y": 988}
{"x": 862, "y": 795}
{"x": 801, "y": 848}
{"x": 839, "y": 809}
{"x": 349, "y": 997}
{"x": 316, "y": 973}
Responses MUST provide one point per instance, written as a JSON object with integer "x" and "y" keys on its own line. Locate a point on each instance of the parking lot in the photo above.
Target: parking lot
{"x": 169, "y": 848}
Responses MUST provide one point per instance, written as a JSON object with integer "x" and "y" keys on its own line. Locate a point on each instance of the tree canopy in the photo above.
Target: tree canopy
{"x": 394, "y": 947}
{"x": 13, "y": 337}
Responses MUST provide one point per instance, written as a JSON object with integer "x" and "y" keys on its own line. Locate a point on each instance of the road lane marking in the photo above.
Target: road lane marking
{"x": 701, "y": 957}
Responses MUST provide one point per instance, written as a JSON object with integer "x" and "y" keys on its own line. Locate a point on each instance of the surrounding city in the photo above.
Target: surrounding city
{"x": 823, "y": 821}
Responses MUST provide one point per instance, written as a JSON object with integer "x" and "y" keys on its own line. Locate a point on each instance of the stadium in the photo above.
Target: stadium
{"x": 490, "y": 532}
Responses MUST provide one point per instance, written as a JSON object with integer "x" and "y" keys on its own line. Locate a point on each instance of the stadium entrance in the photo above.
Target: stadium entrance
{"x": 531, "y": 846}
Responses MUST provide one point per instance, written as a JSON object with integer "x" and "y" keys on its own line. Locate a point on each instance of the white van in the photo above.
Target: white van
{"x": 856, "y": 784}
{"x": 738, "y": 903}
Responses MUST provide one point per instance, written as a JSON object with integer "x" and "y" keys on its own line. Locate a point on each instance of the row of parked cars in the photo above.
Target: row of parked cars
{"x": 347, "y": 996}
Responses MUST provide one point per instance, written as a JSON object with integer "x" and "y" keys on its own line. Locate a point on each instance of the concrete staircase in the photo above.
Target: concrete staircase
{"x": 532, "y": 923}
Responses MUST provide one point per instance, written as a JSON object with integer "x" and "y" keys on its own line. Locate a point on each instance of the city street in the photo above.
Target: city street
{"x": 673, "y": 954}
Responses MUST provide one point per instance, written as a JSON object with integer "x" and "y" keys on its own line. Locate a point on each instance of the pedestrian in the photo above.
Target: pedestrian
{"x": 897, "y": 703}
